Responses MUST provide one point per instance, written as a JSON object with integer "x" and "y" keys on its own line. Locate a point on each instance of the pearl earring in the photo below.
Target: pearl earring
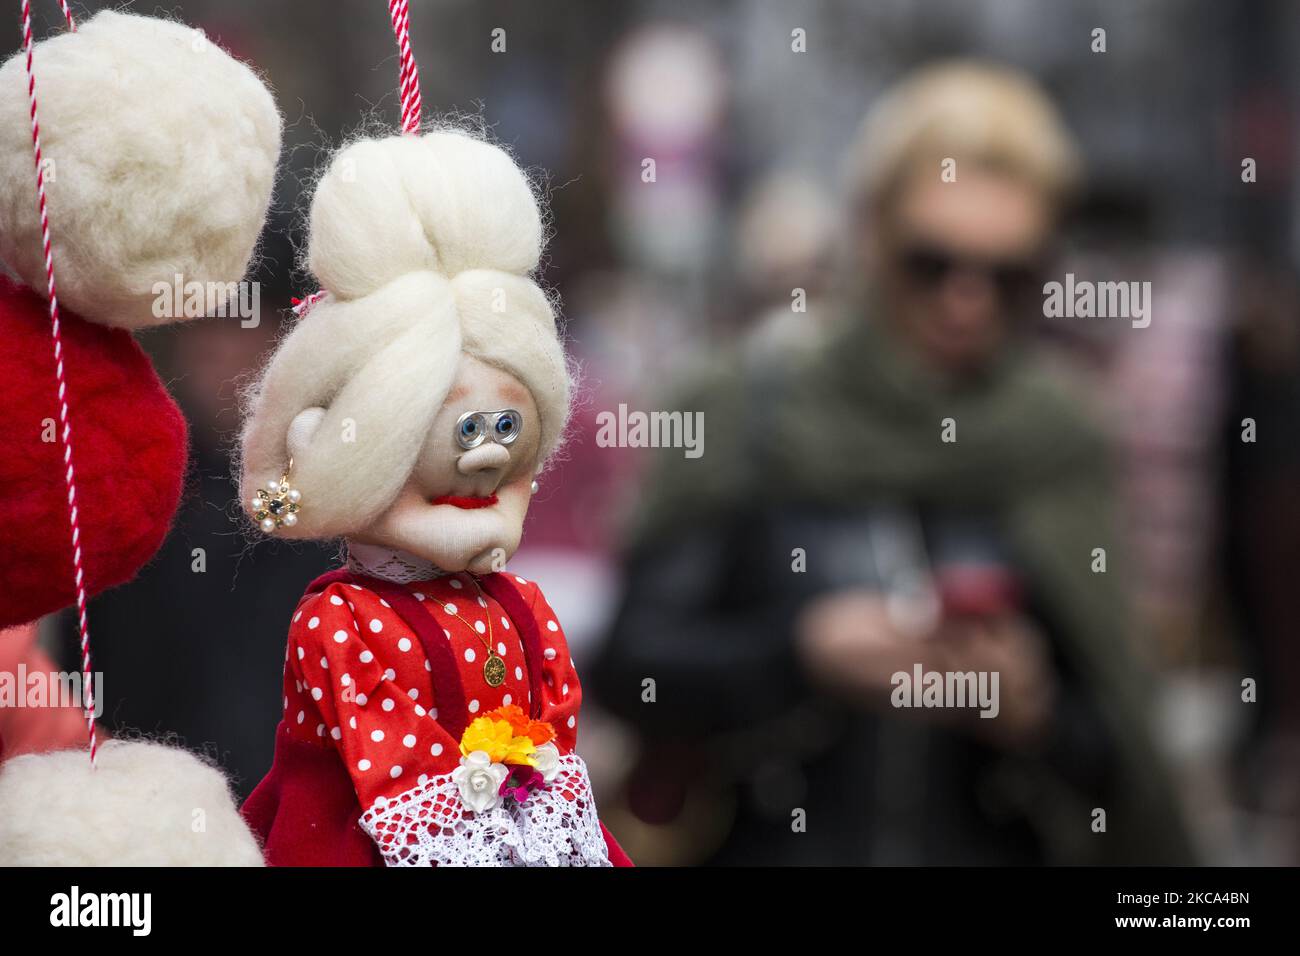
{"x": 534, "y": 488}
{"x": 277, "y": 504}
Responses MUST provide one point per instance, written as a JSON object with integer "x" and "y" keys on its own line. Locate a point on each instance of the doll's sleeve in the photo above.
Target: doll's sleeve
{"x": 561, "y": 692}
{"x": 387, "y": 739}
{"x": 562, "y": 697}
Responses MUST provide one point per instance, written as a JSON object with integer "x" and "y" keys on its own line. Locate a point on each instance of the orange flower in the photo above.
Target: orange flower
{"x": 538, "y": 731}
{"x": 512, "y": 714}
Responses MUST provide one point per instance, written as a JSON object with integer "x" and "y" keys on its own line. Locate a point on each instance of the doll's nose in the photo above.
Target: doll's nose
{"x": 485, "y": 457}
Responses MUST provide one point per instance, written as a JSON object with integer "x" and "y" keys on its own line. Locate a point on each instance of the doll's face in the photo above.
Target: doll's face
{"x": 463, "y": 507}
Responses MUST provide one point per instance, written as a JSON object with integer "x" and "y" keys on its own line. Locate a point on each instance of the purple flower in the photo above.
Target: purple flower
{"x": 522, "y": 781}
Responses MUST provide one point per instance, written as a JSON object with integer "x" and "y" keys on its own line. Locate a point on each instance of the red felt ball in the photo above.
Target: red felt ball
{"x": 128, "y": 447}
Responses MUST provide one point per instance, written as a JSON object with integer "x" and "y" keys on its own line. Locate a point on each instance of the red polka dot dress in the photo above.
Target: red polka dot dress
{"x": 360, "y": 682}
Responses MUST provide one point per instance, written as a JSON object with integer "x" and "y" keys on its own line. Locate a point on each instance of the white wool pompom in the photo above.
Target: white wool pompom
{"x": 443, "y": 202}
{"x": 160, "y": 153}
{"x": 146, "y": 804}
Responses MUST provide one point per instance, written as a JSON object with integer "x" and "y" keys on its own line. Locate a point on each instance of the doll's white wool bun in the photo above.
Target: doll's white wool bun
{"x": 425, "y": 245}
{"x": 146, "y": 804}
{"x": 161, "y": 152}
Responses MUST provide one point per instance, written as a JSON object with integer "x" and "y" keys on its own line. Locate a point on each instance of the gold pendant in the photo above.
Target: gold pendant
{"x": 494, "y": 671}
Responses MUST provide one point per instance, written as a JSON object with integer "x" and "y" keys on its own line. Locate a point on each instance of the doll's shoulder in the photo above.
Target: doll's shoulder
{"x": 528, "y": 590}
{"x": 554, "y": 645}
{"x": 548, "y": 622}
{"x": 338, "y": 611}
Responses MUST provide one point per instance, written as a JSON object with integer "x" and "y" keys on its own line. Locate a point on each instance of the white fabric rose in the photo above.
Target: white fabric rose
{"x": 547, "y": 760}
{"x": 479, "y": 780}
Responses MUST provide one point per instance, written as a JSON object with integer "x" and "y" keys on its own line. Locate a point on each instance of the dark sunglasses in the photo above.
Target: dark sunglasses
{"x": 930, "y": 266}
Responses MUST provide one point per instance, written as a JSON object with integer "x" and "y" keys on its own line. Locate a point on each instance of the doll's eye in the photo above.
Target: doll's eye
{"x": 507, "y": 427}
{"x": 469, "y": 430}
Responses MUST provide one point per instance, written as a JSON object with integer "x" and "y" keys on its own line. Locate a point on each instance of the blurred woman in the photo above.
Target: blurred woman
{"x": 917, "y": 495}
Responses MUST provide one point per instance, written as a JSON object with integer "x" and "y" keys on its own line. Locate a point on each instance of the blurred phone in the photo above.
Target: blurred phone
{"x": 972, "y": 571}
{"x": 969, "y": 589}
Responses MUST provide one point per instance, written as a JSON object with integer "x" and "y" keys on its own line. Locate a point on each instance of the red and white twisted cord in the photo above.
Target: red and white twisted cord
{"x": 408, "y": 76}
{"x": 65, "y": 435}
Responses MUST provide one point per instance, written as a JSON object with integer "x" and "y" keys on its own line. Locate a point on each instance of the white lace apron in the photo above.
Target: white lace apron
{"x": 429, "y": 825}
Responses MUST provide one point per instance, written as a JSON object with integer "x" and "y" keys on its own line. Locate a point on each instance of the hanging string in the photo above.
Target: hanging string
{"x": 408, "y": 76}
{"x": 65, "y": 434}
{"x": 408, "y": 82}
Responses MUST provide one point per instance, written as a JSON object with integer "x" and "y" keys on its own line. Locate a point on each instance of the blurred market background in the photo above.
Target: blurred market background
{"x": 657, "y": 279}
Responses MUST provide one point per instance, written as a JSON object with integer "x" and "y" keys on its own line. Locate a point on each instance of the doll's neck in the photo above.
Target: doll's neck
{"x": 389, "y": 564}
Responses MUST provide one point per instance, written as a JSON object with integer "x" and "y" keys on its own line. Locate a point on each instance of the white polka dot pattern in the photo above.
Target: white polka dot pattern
{"x": 378, "y": 707}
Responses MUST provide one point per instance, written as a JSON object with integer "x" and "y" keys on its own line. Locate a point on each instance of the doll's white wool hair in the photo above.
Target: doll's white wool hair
{"x": 161, "y": 152}
{"x": 426, "y": 246}
{"x": 139, "y": 807}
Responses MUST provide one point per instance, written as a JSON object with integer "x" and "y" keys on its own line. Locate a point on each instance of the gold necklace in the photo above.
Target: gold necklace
{"x": 494, "y": 668}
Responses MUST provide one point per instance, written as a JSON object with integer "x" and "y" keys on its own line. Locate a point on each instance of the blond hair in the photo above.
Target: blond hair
{"x": 990, "y": 117}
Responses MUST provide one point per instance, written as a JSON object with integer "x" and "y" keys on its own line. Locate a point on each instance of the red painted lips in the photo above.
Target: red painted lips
{"x": 465, "y": 501}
